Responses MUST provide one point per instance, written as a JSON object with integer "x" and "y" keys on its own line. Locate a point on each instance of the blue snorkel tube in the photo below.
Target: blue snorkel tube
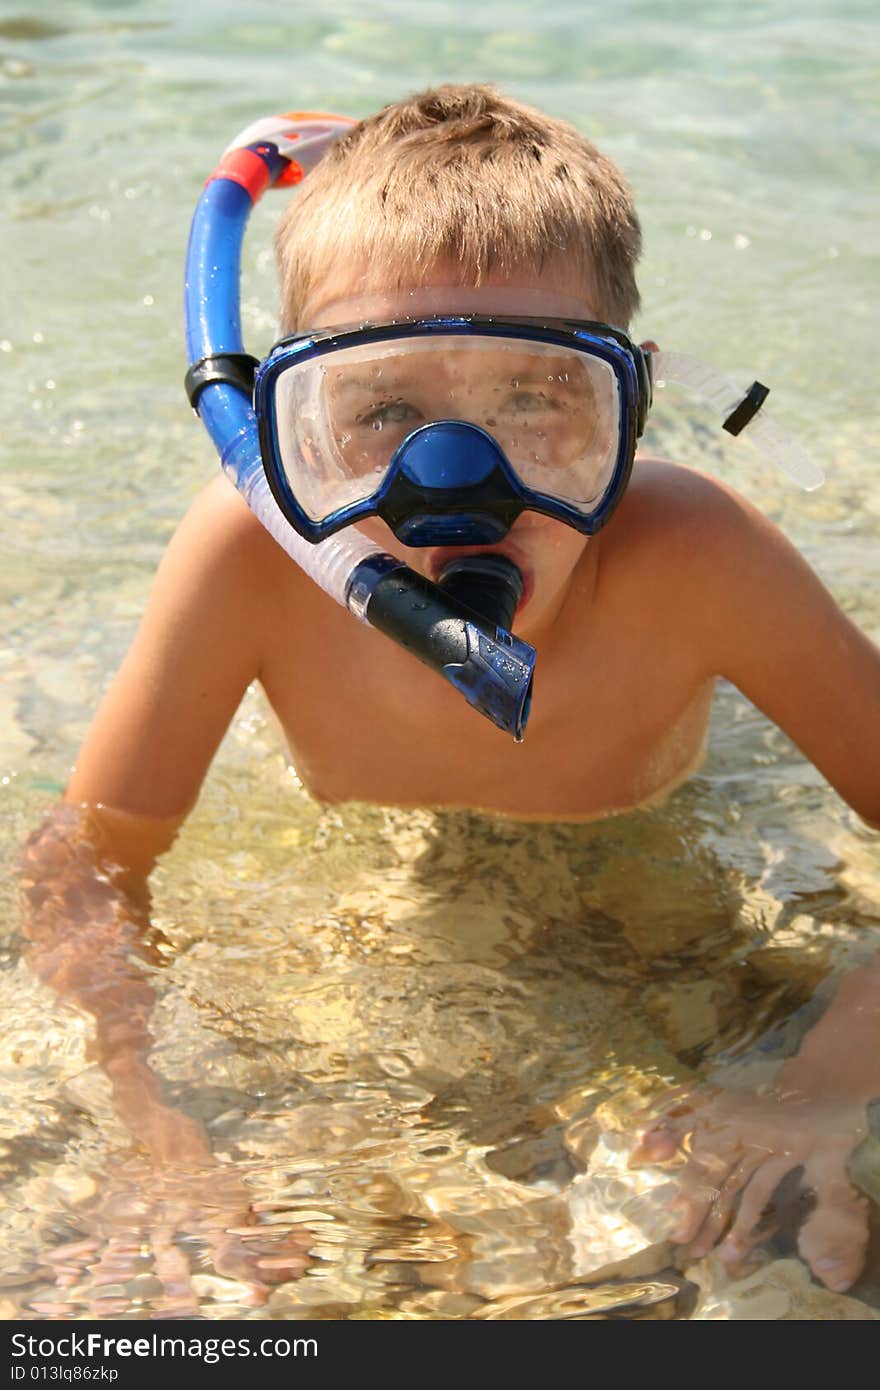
{"x": 458, "y": 628}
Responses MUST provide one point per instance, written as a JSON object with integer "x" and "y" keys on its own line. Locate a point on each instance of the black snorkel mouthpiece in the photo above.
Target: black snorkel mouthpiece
{"x": 457, "y": 627}
{"x": 491, "y": 585}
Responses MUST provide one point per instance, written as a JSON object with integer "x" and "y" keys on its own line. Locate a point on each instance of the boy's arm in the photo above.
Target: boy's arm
{"x": 199, "y": 646}
{"x": 84, "y": 872}
{"x": 772, "y": 628}
{"x": 767, "y": 623}
{"x": 85, "y": 908}
{"x": 762, "y": 619}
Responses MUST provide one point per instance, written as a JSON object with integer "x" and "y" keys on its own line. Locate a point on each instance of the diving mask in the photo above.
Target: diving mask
{"x": 449, "y": 426}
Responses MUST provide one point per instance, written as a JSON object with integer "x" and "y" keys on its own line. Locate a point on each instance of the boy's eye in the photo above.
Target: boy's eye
{"x": 389, "y": 413}
{"x": 531, "y": 400}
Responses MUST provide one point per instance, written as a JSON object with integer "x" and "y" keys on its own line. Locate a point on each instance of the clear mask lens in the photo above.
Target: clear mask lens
{"x": 341, "y": 416}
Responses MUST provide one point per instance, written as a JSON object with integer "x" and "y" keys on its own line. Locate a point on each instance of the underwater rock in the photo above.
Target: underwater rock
{"x": 212, "y": 1288}
{"x": 691, "y": 1013}
{"x": 631, "y": 1299}
{"x": 781, "y": 1291}
{"x": 309, "y": 1128}
{"x": 864, "y": 1168}
{"x": 438, "y": 1303}
{"x": 664, "y": 892}
{"x": 658, "y": 1259}
{"x": 857, "y": 866}
{"x": 618, "y": 1212}
{"x": 327, "y": 1295}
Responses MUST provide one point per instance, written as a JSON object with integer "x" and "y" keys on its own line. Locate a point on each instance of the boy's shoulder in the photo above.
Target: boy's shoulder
{"x": 671, "y": 522}
{"x": 220, "y": 512}
{"x": 222, "y": 552}
{"x": 688, "y": 555}
{"x": 219, "y": 529}
{"x": 674, "y": 496}
{"x": 763, "y": 619}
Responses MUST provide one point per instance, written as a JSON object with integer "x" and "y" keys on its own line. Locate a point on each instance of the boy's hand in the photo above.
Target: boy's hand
{"x": 741, "y": 1146}
{"x": 150, "y": 1222}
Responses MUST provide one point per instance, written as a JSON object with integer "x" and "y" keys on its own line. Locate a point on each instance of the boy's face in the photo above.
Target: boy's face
{"x": 545, "y": 551}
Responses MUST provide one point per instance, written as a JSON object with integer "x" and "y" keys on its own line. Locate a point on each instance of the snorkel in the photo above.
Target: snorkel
{"x": 449, "y": 482}
{"x": 468, "y": 643}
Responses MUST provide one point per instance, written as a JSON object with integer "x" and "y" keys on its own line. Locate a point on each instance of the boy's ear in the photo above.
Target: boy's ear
{"x": 649, "y": 345}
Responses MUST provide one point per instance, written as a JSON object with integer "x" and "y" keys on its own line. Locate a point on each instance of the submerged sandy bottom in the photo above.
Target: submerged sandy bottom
{"x": 420, "y": 1043}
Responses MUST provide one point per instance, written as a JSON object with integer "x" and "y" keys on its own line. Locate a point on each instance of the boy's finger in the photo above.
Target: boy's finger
{"x": 692, "y": 1212}
{"x": 667, "y": 1129}
{"x": 834, "y": 1237}
{"x": 716, "y": 1221}
{"x": 294, "y": 1263}
{"x": 101, "y": 1308}
{"x": 172, "y": 1269}
{"x": 685, "y": 1098}
{"x": 75, "y": 1251}
{"x": 702, "y": 1180}
{"x": 655, "y": 1146}
{"x": 755, "y": 1199}
{"x": 678, "y": 1100}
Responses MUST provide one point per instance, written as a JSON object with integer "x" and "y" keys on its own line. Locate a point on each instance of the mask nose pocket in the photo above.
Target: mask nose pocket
{"x": 448, "y": 454}
{"x": 448, "y": 484}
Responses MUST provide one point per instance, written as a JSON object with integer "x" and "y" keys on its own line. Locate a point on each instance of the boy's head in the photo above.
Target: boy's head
{"x": 461, "y": 186}
{"x": 461, "y": 199}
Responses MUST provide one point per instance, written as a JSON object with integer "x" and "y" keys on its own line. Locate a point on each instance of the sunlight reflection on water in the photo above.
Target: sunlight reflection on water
{"x": 419, "y": 1041}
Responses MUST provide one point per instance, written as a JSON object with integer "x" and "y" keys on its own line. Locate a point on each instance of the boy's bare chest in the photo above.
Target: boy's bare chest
{"x": 619, "y": 718}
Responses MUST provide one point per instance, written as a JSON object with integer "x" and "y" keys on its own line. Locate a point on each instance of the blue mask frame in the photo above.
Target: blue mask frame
{"x": 488, "y": 495}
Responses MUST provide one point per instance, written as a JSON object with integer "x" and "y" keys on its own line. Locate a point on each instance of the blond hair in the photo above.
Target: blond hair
{"x": 465, "y": 175}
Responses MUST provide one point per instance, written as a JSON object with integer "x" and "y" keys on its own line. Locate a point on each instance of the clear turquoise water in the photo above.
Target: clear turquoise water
{"x": 750, "y": 135}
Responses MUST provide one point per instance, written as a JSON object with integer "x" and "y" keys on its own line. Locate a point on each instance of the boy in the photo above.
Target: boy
{"x": 460, "y": 200}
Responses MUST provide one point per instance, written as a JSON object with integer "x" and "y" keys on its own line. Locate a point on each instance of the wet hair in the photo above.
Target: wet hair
{"x": 464, "y": 175}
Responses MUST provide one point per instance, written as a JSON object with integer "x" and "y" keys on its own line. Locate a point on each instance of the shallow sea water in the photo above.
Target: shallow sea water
{"x": 420, "y": 1040}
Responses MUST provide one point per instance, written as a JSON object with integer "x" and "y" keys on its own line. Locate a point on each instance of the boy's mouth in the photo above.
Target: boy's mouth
{"x": 438, "y": 558}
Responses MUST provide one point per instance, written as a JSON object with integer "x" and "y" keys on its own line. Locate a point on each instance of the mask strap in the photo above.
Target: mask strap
{"x": 739, "y": 412}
